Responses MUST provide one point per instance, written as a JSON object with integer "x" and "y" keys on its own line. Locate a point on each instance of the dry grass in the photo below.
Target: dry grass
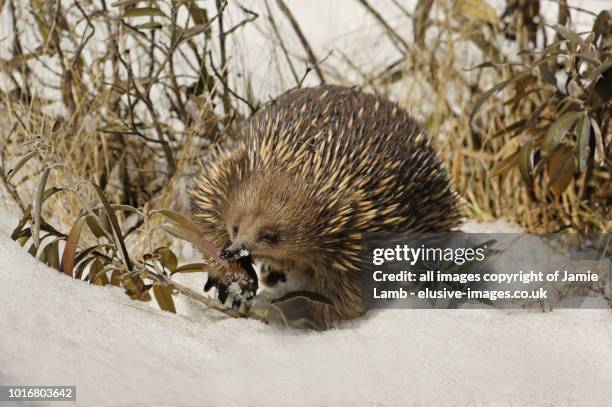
{"x": 131, "y": 103}
{"x": 440, "y": 91}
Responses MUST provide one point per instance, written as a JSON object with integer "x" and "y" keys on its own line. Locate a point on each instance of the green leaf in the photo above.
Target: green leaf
{"x": 202, "y": 244}
{"x": 195, "y": 30}
{"x": 558, "y": 130}
{"x": 583, "y": 147}
{"x": 119, "y": 207}
{"x": 560, "y": 169}
{"x": 512, "y": 128}
{"x": 599, "y": 27}
{"x": 39, "y": 9}
{"x": 547, "y": 75}
{"x": 38, "y": 201}
{"x": 125, "y": 208}
{"x": 567, "y": 34}
{"x": 124, "y": 3}
{"x": 167, "y": 257}
{"x": 50, "y": 192}
{"x": 115, "y": 278}
{"x": 186, "y": 230}
{"x": 84, "y": 253}
{"x": 521, "y": 85}
{"x": 589, "y": 56}
{"x": 487, "y": 47}
{"x": 143, "y": 12}
{"x": 43, "y": 253}
{"x": 151, "y": 25}
{"x": 115, "y": 227}
{"x": 600, "y": 71}
{"x": 17, "y": 232}
{"x": 479, "y": 9}
{"x": 116, "y": 128}
{"x": 599, "y": 148}
{"x": 52, "y": 250}
{"x": 94, "y": 226}
{"x": 487, "y": 64}
{"x": 21, "y": 163}
{"x": 177, "y": 218}
{"x": 421, "y": 20}
{"x": 97, "y": 273}
{"x": 504, "y": 165}
{"x": 71, "y": 247}
{"x": 534, "y": 116}
{"x": 163, "y": 296}
{"x": 78, "y": 273}
{"x": 190, "y": 268}
{"x": 22, "y": 240}
{"x": 483, "y": 98}
{"x": 525, "y": 161}
{"x": 198, "y": 15}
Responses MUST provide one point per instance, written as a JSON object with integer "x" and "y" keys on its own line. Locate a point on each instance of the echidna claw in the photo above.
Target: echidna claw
{"x": 210, "y": 283}
{"x": 235, "y": 286}
{"x": 223, "y": 292}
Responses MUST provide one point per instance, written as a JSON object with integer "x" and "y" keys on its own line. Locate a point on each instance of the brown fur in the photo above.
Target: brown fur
{"x": 317, "y": 169}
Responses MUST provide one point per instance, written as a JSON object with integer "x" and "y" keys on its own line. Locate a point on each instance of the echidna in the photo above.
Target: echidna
{"x": 314, "y": 171}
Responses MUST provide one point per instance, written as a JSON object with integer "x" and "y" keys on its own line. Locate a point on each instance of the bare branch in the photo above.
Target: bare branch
{"x": 298, "y": 31}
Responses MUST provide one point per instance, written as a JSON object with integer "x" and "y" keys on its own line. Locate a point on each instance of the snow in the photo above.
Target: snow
{"x": 56, "y": 330}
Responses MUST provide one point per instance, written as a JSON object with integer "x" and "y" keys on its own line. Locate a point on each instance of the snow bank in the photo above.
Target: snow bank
{"x": 119, "y": 352}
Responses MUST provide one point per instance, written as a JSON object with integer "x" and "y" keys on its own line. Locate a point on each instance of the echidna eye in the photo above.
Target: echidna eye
{"x": 268, "y": 236}
{"x": 235, "y": 230}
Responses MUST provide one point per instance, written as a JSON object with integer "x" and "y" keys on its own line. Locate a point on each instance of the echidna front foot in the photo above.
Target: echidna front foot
{"x": 236, "y": 284}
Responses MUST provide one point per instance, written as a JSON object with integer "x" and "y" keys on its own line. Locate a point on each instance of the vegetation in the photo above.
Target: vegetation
{"x": 562, "y": 99}
{"x": 108, "y": 107}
